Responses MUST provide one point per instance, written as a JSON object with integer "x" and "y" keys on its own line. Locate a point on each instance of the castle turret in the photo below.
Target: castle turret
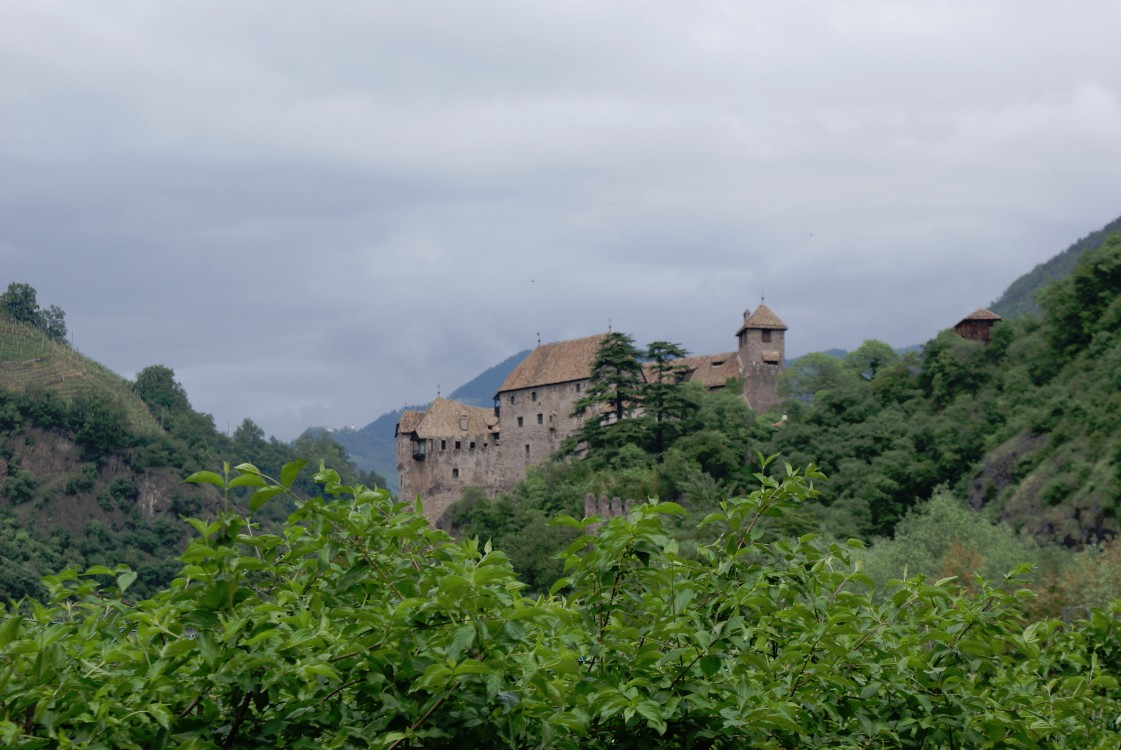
{"x": 762, "y": 351}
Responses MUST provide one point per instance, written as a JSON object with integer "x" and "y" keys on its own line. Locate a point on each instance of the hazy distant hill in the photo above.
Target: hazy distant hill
{"x": 1019, "y": 298}
{"x": 373, "y": 447}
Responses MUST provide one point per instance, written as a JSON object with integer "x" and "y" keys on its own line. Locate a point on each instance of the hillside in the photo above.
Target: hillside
{"x": 373, "y": 447}
{"x": 1021, "y": 436}
{"x": 29, "y": 358}
{"x": 92, "y": 464}
{"x": 1019, "y": 299}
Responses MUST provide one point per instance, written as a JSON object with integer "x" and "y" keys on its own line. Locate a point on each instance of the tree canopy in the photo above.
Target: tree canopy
{"x": 21, "y": 304}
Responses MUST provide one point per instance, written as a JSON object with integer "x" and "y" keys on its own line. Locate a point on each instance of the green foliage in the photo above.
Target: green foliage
{"x": 663, "y": 400}
{"x": 616, "y": 379}
{"x": 157, "y": 387}
{"x": 20, "y": 304}
{"x": 812, "y": 374}
{"x": 355, "y": 625}
{"x": 870, "y": 357}
{"x": 1086, "y": 302}
{"x": 99, "y": 425}
{"x": 943, "y": 537}
{"x": 1020, "y": 297}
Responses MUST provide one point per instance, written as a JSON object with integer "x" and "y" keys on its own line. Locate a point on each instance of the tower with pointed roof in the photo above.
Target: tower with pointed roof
{"x": 762, "y": 351}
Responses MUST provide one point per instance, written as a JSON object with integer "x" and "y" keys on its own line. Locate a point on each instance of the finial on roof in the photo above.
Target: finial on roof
{"x": 609, "y": 325}
{"x": 539, "y": 339}
{"x": 437, "y": 390}
{"x": 762, "y": 299}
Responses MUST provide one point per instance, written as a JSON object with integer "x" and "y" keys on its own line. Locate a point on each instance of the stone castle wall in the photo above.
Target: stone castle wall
{"x": 535, "y": 421}
{"x": 447, "y": 467}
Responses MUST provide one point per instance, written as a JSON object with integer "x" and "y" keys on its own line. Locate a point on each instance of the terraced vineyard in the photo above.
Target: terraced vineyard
{"x": 28, "y": 357}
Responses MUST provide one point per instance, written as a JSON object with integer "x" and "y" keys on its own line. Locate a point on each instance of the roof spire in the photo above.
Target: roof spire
{"x": 539, "y": 339}
{"x": 437, "y": 390}
{"x": 609, "y": 325}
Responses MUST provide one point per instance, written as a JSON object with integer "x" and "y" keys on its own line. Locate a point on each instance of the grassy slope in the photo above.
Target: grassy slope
{"x": 29, "y": 358}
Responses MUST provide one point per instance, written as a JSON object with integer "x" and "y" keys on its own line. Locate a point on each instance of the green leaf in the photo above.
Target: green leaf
{"x": 652, "y": 712}
{"x": 99, "y": 570}
{"x": 670, "y": 508}
{"x": 206, "y": 477}
{"x": 9, "y": 629}
{"x": 471, "y": 666}
{"x": 290, "y": 471}
{"x": 248, "y": 480}
{"x": 262, "y": 496}
{"x": 124, "y": 580}
{"x": 460, "y": 641}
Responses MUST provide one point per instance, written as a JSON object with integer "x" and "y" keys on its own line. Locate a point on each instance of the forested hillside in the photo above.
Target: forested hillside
{"x": 1019, "y": 298}
{"x": 92, "y": 464}
{"x": 1026, "y": 430}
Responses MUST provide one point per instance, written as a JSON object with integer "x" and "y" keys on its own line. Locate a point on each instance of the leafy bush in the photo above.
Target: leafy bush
{"x": 358, "y": 626}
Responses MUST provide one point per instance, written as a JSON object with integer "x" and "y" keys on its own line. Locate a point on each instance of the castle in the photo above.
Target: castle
{"x": 452, "y": 446}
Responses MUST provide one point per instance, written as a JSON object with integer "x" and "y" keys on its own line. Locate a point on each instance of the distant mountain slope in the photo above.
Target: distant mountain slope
{"x": 1019, "y": 298}
{"x": 480, "y": 390}
{"x": 373, "y": 446}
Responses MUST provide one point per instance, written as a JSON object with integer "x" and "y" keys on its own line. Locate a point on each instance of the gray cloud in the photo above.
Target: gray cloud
{"x": 315, "y": 213}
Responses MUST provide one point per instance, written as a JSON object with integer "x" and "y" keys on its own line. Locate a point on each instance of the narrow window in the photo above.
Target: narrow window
{"x": 513, "y": 399}
{"x": 527, "y": 452}
{"x": 457, "y": 445}
{"x": 471, "y": 446}
{"x": 540, "y": 419}
{"x": 443, "y": 445}
{"x": 577, "y": 387}
{"x": 455, "y": 473}
{"x": 766, "y": 336}
{"x": 521, "y": 421}
{"x": 533, "y": 396}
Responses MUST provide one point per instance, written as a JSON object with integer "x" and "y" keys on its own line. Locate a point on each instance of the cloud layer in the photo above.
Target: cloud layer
{"x": 318, "y": 212}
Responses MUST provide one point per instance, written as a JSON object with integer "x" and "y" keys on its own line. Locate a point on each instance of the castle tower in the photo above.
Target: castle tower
{"x": 762, "y": 351}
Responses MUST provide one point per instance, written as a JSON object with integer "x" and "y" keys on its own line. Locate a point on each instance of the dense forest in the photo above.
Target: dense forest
{"x": 91, "y": 464}
{"x": 1014, "y": 446}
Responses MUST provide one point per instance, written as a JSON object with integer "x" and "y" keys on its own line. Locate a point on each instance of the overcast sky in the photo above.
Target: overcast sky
{"x": 317, "y": 212}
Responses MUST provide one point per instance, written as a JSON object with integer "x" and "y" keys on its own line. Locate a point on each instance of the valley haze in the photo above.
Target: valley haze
{"x": 318, "y": 214}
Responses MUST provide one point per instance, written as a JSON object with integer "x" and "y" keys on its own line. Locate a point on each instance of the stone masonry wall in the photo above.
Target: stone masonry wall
{"x": 760, "y": 386}
{"x": 449, "y": 466}
{"x": 535, "y": 421}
